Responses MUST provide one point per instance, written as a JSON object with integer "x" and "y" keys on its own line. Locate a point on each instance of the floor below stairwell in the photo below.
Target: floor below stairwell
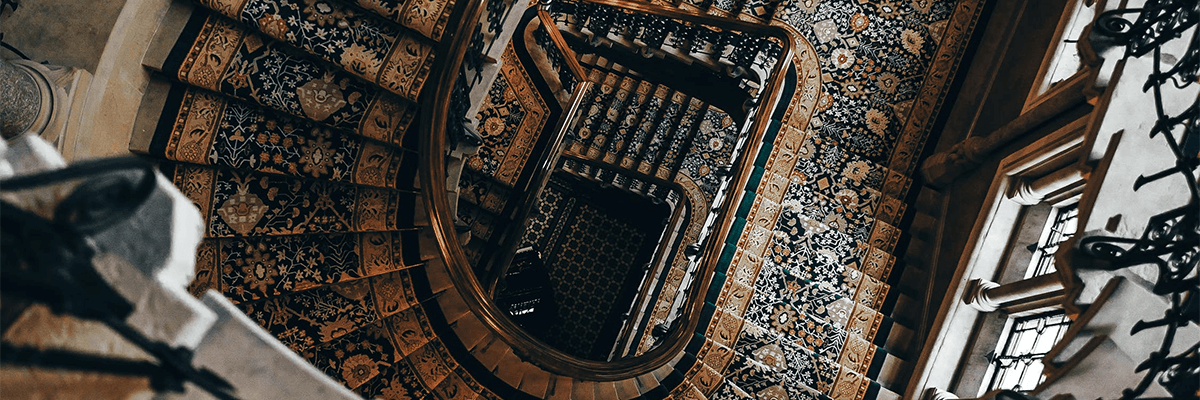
{"x": 596, "y": 245}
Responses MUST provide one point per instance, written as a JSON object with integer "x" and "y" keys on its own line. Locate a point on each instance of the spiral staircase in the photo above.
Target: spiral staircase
{"x": 317, "y": 138}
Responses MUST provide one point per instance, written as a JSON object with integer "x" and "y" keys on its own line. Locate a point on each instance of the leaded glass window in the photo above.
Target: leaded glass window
{"x": 1059, "y": 228}
{"x": 1018, "y": 366}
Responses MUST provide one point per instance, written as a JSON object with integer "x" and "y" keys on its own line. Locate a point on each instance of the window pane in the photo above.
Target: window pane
{"x": 1019, "y": 366}
{"x": 1059, "y": 228}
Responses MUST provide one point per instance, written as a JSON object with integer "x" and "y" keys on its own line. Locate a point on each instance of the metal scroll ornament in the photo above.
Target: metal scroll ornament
{"x": 49, "y": 261}
{"x": 1171, "y": 241}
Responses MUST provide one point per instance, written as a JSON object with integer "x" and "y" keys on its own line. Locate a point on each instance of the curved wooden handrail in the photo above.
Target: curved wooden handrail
{"x": 544, "y": 164}
{"x": 561, "y": 43}
{"x": 433, "y": 179}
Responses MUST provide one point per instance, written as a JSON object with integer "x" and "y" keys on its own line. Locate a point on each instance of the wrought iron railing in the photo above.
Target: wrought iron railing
{"x": 740, "y": 49}
{"x": 50, "y": 262}
{"x": 562, "y": 59}
{"x": 1171, "y": 240}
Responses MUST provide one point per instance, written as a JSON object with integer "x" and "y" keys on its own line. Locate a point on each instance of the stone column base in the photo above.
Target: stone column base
{"x": 61, "y": 90}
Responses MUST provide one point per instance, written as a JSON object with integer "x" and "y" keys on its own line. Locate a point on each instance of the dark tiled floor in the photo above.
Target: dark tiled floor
{"x": 595, "y": 255}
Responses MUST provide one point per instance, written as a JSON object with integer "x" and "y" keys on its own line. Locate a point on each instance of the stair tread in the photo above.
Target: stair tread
{"x": 365, "y": 255}
{"x": 642, "y": 135}
{"x": 257, "y": 204}
{"x": 390, "y": 113}
{"x": 660, "y": 136}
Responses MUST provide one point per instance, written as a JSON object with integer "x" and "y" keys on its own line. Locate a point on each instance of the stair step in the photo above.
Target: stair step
{"x": 348, "y": 158}
{"x": 260, "y": 358}
{"x": 802, "y": 250}
{"x": 901, "y": 342}
{"x": 390, "y": 113}
{"x": 757, "y": 11}
{"x": 923, "y": 226}
{"x": 907, "y": 310}
{"x": 330, "y": 357}
{"x": 828, "y": 163}
{"x": 913, "y": 282}
{"x": 929, "y": 201}
{"x": 583, "y": 390}
{"x": 661, "y": 136}
{"x": 631, "y": 117}
{"x": 273, "y": 202}
{"x": 481, "y": 223}
{"x": 560, "y": 388}
{"x": 919, "y": 252}
{"x": 607, "y": 131}
{"x": 306, "y": 264}
{"x": 606, "y": 390}
{"x": 888, "y": 394}
{"x": 534, "y": 380}
{"x": 685, "y": 132}
{"x": 358, "y": 308}
{"x": 484, "y": 192}
{"x": 894, "y": 374}
{"x": 642, "y": 135}
{"x": 587, "y": 124}
{"x": 419, "y": 48}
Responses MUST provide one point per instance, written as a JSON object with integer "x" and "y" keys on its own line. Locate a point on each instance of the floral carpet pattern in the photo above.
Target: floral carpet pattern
{"x": 287, "y": 123}
{"x": 288, "y": 126}
{"x": 511, "y": 118}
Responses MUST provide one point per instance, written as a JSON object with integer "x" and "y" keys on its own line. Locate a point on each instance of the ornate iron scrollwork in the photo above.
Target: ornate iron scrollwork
{"x": 463, "y": 130}
{"x": 1171, "y": 240}
{"x": 49, "y": 261}
{"x": 557, "y": 60}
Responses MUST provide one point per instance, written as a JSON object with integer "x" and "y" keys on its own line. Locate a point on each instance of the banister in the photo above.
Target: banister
{"x": 561, "y": 43}
{"x": 531, "y": 190}
{"x": 545, "y": 162}
{"x": 433, "y": 179}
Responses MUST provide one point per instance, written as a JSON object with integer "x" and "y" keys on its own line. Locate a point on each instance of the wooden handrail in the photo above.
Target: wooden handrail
{"x": 561, "y": 43}
{"x": 545, "y": 163}
{"x": 544, "y": 166}
{"x": 529, "y": 348}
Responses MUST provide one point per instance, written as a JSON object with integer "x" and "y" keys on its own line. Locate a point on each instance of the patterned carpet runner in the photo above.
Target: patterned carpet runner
{"x": 289, "y": 124}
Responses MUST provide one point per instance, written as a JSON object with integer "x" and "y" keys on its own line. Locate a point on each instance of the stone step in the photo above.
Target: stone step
{"x": 912, "y": 281}
{"x": 901, "y": 342}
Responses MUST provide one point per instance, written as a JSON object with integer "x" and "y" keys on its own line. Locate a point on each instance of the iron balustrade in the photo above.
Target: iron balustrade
{"x": 1171, "y": 240}
{"x": 50, "y": 262}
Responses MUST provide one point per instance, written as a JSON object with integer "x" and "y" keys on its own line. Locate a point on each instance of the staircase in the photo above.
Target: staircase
{"x": 303, "y": 158}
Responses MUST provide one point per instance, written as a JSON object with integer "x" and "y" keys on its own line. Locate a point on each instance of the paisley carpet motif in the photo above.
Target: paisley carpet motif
{"x": 216, "y": 54}
{"x": 512, "y": 117}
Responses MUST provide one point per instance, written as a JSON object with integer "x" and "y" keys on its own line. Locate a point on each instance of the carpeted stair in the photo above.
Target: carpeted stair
{"x": 302, "y": 157}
